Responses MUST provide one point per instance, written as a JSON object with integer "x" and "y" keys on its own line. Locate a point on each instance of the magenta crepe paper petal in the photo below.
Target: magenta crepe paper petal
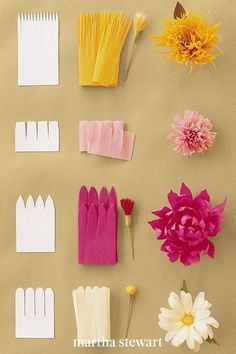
{"x": 113, "y": 197}
{"x": 106, "y": 138}
{"x": 186, "y": 227}
{"x": 92, "y": 197}
{"x": 83, "y": 196}
{"x": 97, "y": 226}
{"x": 103, "y": 198}
{"x": 184, "y": 190}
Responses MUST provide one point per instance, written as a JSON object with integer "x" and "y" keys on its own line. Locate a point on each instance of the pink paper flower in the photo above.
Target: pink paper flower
{"x": 187, "y": 226}
{"x": 192, "y": 133}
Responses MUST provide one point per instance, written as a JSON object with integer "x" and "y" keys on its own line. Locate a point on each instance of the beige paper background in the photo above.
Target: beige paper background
{"x": 147, "y": 102}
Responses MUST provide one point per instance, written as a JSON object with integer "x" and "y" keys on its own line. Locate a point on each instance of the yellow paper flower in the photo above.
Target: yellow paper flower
{"x": 140, "y": 21}
{"x": 191, "y": 40}
{"x": 131, "y": 290}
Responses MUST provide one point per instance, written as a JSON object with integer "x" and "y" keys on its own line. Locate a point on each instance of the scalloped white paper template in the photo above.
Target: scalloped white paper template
{"x": 39, "y": 136}
{"x": 35, "y": 225}
{"x": 38, "y": 49}
{"x": 34, "y": 313}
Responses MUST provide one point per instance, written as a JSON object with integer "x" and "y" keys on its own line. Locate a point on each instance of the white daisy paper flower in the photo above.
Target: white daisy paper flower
{"x": 187, "y": 320}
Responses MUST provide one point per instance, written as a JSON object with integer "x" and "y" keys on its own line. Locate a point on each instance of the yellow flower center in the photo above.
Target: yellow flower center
{"x": 188, "y": 320}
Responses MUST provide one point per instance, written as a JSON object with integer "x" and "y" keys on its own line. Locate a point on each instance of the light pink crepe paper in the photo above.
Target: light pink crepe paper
{"x": 97, "y": 226}
{"x": 106, "y": 138}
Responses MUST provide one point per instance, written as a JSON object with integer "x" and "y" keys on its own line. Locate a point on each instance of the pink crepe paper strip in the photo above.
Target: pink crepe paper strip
{"x": 106, "y": 138}
{"x": 97, "y": 226}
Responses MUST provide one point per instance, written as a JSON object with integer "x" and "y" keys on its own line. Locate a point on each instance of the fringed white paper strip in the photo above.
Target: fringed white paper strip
{"x": 38, "y": 49}
{"x": 37, "y": 136}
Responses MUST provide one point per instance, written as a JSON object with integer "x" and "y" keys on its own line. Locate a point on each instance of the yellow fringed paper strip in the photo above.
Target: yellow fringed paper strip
{"x": 101, "y": 39}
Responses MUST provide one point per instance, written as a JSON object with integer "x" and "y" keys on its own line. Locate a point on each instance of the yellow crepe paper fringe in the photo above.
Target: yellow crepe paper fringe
{"x": 101, "y": 39}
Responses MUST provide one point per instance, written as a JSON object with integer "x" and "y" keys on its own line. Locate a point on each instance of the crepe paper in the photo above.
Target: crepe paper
{"x": 37, "y": 136}
{"x": 187, "y": 227}
{"x": 189, "y": 39}
{"x": 35, "y": 225}
{"x": 38, "y": 49}
{"x": 101, "y": 38}
{"x": 106, "y": 138}
{"x": 34, "y": 313}
{"x": 97, "y": 226}
{"x": 127, "y": 206}
{"x": 192, "y": 133}
{"x": 92, "y": 313}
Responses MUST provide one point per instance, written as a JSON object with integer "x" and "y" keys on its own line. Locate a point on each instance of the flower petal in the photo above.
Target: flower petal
{"x": 202, "y": 314}
{"x": 198, "y": 303}
{"x": 190, "y": 340}
{"x": 186, "y": 299}
{"x": 184, "y": 190}
{"x": 175, "y": 303}
{"x": 180, "y": 336}
{"x": 211, "y": 321}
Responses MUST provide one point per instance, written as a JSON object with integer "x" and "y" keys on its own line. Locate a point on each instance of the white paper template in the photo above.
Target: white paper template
{"x": 92, "y": 313}
{"x": 35, "y": 225}
{"x": 34, "y": 311}
{"x": 38, "y": 49}
{"x": 37, "y": 136}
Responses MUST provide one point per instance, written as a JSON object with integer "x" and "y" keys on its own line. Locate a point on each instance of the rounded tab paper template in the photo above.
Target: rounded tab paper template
{"x": 34, "y": 313}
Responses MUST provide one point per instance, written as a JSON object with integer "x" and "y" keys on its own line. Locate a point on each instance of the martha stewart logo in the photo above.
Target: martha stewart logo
{"x": 122, "y": 343}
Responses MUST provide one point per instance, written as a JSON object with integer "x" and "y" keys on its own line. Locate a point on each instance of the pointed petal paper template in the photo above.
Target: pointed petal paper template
{"x": 106, "y": 138}
{"x": 35, "y": 225}
{"x": 97, "y": 226}
{"x": 38, "y": 49}
{"x": 92, "y": 313}
{"x": 37, "y": 136}
{"x": 34, "y": 311}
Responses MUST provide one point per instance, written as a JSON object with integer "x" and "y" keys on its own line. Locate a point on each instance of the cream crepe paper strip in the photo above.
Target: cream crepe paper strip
{"x": 34, "y": 311}
{"x": 92, "y": 313}
{"x": 101, "y": 39}
{"x": 38, "y": 49}
{"x": 35, "y": 225}
{"x": 37, "y": 136}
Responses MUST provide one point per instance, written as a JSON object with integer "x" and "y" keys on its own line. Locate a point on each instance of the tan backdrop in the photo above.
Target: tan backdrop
{"x": 147, "y": 102}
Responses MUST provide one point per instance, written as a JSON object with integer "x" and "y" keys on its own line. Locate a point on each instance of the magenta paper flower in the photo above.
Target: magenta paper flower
{"x": 192, "y": 133}
{"x": 188, "y": 225}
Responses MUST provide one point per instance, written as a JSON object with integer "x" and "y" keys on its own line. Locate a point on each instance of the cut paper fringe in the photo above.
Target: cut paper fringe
{"x": 106, "y": 138}
{"x": 37, "y": 136}
{"x": 38, "y": 37}
{"x": 97, "y": 226}
{"x": 101, "y": 39}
